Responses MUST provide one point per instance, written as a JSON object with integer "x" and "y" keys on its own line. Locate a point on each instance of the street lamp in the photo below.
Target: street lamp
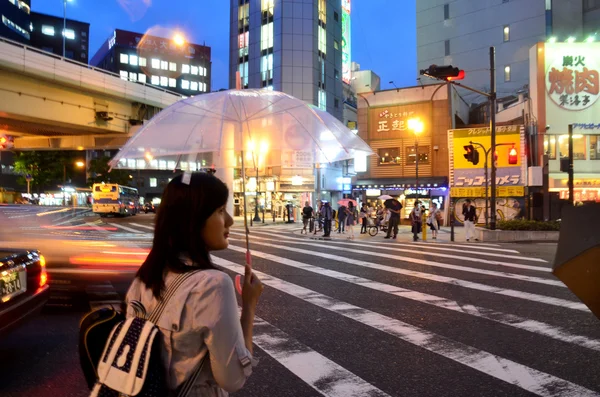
{"x": 64, "y": 32}
{"x": 416, "y": 126}
{"x": 178, "y": 39}
{"x": 78, "y": 164}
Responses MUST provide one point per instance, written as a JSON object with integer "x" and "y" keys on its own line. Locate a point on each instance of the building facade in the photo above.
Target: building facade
{"x": 46, "y": 34}
{"x": 565, "y": 89}
{"x": 170, "y": 63}
{"x": 383, "y": 122}
{"x": 16, "y": 21}
{"x": 460, "y": 33}
{"x": 292, "y": 46}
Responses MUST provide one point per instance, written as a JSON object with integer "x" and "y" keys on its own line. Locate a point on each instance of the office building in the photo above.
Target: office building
{"x": 168, "y": 62}
{"x": 460, "y": 33}
{"x": 16, "y": 22}
{"x": 47, "y": 35}
{"x": 300, "y": 48}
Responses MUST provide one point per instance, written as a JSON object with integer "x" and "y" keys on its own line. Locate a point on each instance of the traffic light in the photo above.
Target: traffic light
{"x": 472, "y": 154}
{"x": 446, "y": 73}
{"x": 513, "y": 156}
{"x": 564, "y": 164}
{"x": 6, "y": 142}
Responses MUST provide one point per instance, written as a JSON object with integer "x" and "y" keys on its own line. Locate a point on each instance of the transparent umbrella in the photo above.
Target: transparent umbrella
{"x": 284, "y": 128}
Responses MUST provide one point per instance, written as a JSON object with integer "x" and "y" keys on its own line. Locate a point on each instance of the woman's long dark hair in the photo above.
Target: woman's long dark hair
{"x": 181, "y": 216}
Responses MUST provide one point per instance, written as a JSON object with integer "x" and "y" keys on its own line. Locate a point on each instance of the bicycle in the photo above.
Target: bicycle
{"x": 372, "y": 228}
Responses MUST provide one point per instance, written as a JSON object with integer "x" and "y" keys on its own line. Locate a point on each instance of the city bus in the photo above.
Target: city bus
{"x": 110, "y": 198}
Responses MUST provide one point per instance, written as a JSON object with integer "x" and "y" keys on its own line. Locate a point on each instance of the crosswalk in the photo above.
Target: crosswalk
{"x": 370, "y": 318}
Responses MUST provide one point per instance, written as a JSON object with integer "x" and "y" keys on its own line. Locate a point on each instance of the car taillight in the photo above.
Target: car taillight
{"x": 43, "y": 273}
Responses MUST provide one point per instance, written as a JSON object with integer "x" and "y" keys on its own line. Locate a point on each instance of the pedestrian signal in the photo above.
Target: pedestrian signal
{"x": 472, "y": 155}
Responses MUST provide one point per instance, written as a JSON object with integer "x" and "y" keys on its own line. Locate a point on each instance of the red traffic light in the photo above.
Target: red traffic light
{"x": 3, "y": 140}
{"x": 513, "y": 156}
{"x": 461, "y": 75}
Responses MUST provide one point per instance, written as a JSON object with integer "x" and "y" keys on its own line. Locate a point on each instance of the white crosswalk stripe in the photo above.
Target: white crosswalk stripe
{"x": 530, "y": 379}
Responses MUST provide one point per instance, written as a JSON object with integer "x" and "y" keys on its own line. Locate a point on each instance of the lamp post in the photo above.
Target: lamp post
{"x": 78, "y": 164}
{"x": 416, "y": 126}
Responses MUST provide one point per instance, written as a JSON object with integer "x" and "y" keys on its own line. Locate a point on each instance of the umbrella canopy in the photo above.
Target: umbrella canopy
{"x": 345, "y": 202}
{"x": 385, "y": 197}
{"x": 577, "y": 261}
{"x": 273, "y": 125}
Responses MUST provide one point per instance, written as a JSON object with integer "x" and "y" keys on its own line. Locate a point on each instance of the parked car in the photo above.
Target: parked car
{"x": 149, "y": 207}
{"x": 24, "y": 288}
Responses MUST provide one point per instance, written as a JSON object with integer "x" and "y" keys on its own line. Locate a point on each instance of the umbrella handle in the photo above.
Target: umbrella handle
{"x": 248, "y": 258}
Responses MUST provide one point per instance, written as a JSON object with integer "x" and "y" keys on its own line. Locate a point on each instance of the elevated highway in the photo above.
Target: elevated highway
{"x": 51, "y": 103}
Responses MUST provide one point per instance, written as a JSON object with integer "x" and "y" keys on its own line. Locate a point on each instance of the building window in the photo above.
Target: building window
{"x": 336, "y": 103}
{"x": 172, "y": 82}
{"x": 594, "y": 147}
{"x": 69, "y": 34}
{"x": 172, "y": 66}
{"x": 389, "y": 156}
{"x": 142, "y": 61}
{"x": 155, "y": 80}
{"x": 164, "y": 65}
{"x": 322, "y": 39}
{"x": 243, "y": 69}
{"x": 133, "y": 60}
{"x": 164, "y": 81}
{"x": 506, "y": 33}
{"x": 132, "y": 76}
{"x": 447, "y": 47}
{"x": 423, "y": 155}
{"x": 336, "y": 74}
{"x": 153, "y": 182}
{"x": 446, "y": 12}
{"x": 336, "y": 45}
{"x": 336, "y": 17}
{"x": 194, "y": 70}
{"x": 155, "y": 63}
{"x": 123, "y": 74}
{"x": 83, "y": 33}
{"x": 48, "y": 30}
{"x": 579, "y": 146}
{"x": 266, "y": 68}
{"x": 185, "y": 68}
{"x": 185, "y": 84}
{"x": 16, "y": 28}
{"x": 194, "y": 86}
{"x": 141, "y": 77}
{"x": 83, "y": 55}
{"x": 124, "y": 58}
{"x": 266, "y": 36}
{"x": 507, "y": 73}
{"x": 243, "y": 43}
{"x": 322, "y": 100}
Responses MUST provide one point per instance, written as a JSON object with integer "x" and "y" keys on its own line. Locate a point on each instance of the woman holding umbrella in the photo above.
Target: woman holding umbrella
{"x": 350, "y": 217}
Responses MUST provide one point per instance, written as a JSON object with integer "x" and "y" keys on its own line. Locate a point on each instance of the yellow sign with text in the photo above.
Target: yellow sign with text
{"x": 502, "y": 191}
{"x": 507, "y": 136}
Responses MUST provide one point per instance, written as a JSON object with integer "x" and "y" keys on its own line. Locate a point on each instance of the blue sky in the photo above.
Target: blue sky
{"x": 383, "y": 31}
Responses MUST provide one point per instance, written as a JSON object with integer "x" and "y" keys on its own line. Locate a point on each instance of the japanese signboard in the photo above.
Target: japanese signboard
{"x": 572, "y": 80}
{"x": 392, "y": 121}
{"x": 346, "y": 43}
{"x": 502, "y": 191}
{"x": 297, "y": 159}
{"x": 469, "y": 175}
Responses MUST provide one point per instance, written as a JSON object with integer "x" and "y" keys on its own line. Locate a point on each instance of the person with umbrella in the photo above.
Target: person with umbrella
{"x": 416, "y": 220}
{"x": 342, "y": 219}
{"x": 393, "y": 206}
{"x": 350, "y": 210}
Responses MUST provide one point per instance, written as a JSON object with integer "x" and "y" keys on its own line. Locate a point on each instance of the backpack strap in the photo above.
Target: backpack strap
{"x": 159, "y": 309}
{"x": 186, "y": 386}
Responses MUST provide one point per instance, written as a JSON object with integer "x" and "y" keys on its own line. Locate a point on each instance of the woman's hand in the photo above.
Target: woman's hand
{"x": 252, "y": 288}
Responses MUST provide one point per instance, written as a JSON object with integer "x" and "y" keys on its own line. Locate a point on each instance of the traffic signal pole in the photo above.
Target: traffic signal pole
{"x": 492, "y": 100}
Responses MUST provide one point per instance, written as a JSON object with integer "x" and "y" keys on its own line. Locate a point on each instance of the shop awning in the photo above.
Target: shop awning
{"x": 388, "y": 183}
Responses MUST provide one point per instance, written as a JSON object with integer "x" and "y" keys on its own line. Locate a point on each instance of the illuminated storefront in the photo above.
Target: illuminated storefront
{"x": 468, "y": 179}
{"x": 565, "y": 86}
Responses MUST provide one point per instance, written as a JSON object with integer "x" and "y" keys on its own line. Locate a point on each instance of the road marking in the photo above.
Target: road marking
{"x": 511, "y": 320}
{"x": 430, "y": 263}
{"x": 323, "y": 375}
{"x": 563, "y": 303}
{"x": 501, "y": 368}
{"x": 144, "y": 226}
{"x": 71, "y": 270}
{"x": 94, "y": 226}
{"x": 129, "y": 229}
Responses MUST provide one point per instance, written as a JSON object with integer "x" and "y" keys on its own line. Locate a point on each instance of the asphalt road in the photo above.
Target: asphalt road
{"x": 369, "y": 317}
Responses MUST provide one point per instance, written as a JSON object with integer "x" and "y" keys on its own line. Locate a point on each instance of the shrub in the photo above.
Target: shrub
{"x": 518, "y": 224}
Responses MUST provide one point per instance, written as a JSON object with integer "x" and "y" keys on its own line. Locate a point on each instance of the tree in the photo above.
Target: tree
{"x": 46, "y": 168}
{"x": 98, "y": 170}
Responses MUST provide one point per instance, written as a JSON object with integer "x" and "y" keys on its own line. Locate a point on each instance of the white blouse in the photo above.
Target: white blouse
{"x": 202, "y": 317}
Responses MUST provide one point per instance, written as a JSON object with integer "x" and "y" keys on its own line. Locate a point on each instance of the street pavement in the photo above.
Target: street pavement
{"x": 338, "y": 317}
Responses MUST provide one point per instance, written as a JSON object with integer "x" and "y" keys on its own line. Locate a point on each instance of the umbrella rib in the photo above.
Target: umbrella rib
{"x": 221, "y": 135}
{"x": 277, "y": 112}
{"x": 264, "y": 108}
{"x": 248, "y": 127}
{"x": 217, "y": 115}
{"x": 309, "y": 134}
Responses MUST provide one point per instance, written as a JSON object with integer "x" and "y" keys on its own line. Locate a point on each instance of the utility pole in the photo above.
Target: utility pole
{"x": 492, "y": 100}
{"x": 64, "y": 53}
{"x": 571, "y": 189}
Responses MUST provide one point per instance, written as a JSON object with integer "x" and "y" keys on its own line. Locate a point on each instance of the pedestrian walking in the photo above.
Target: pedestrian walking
{"x": 307, "y": 214}
{"x": 363, "y": 218}
{"x": 327, "y": 216}
{"x": 470, "y": 216}
{"x": 201, "y": 320}
{"x": 394, "y": 207}
{"x": 350, "y": 219}
{"x": 342, "y": 219}
{"x": 416, "y": 220}
{"x": 434, "y": 220}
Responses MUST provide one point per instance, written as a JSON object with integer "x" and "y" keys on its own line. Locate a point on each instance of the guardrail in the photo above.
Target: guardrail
{"x": 35, "y": 62}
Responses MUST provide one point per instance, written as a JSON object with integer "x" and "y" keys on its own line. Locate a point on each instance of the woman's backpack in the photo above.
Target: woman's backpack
{"x": 130, "y": 362}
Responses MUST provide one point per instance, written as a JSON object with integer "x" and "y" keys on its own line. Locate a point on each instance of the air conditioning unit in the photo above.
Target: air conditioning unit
{"x": 103, "y": 116}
